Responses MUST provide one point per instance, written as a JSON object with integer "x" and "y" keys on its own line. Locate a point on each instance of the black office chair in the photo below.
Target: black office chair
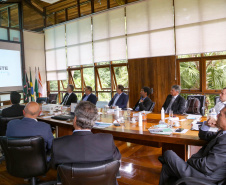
{"x": 42, "y": 99}
{"x": 98, "y": 173}
{"x": 3, "y": 123}
{"x": 202, "y": 99}
{"x": 216, "y": 99}
{"x": 26, "y": 158}
{"x": 53, "y": 98}
{"x": 152, "y": 106}
{"x": 197, "y": 181}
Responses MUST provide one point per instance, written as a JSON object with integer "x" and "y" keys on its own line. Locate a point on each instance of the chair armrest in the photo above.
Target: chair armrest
{"x": 190, "y": 180}
{"x": 118, "y": 175}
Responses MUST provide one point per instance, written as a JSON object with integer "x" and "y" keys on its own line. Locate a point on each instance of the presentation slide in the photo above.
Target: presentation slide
{"x": 10, "y": 70}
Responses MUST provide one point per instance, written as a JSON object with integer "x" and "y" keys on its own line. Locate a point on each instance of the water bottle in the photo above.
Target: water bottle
{"x": 140, "y": 120}
{"x": 162, "y": 114}
{"x": 213, "y": 114}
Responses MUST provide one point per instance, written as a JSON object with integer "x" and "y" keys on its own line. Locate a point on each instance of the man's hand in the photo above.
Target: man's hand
{"x": 141, "y": 101}
{"x": 211, "y": 122}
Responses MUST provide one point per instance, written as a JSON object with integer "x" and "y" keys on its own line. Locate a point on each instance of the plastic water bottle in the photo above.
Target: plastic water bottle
{"x": 140, "y": 120}
{"x": 213, "y": 114}
{"x": 162, "y": 114}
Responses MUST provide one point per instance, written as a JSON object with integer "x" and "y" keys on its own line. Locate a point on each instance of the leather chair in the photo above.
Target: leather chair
{"x": 98, "y": 173}
{"x": 53, "y": 98}
{"x": 216, "y": 99}
{"x": 202, "y": 99}
{"x": 195, "y": 181}
{"x": 42, "y": 99}
{"x": 25, "y": 157}
{"x": 152, "y": 106}
{"x": 3, "y": 123}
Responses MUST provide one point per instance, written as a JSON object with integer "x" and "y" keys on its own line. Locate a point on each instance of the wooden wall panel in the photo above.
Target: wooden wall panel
{"x": 157, "y": 73}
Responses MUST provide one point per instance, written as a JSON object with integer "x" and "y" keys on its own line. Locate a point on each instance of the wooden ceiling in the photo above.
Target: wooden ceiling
{"x": 38, "y": 14}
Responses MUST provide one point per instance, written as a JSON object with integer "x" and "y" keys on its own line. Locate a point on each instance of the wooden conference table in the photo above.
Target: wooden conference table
{"x": 131, "y": 132}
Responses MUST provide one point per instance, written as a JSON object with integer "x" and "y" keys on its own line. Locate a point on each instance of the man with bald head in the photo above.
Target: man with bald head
{"x": 29, "y": 126}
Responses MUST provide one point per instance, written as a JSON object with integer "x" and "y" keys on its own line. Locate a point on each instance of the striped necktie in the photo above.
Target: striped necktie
{"x": 65, "y": 99}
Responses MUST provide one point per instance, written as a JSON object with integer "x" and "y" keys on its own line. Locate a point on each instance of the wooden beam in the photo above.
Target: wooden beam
{"x": 44, "y": 12}
{"x": 78, "y": 5}
{"x": 66, "y": 14}
{"x": 92, "y": 6}
{"x": 33, "y": 7}
{"x": 9, "y": 17}
{"x": 108, "y": 4}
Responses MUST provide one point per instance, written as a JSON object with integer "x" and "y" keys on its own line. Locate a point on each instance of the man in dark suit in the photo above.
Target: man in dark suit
{"x": 83, "y": 146}
{"x": 175, "y": 101}
{"x": 208, "y": 163}
{"x": 29, "y": 126}
{"x": 69, "y": 97}
{"x": 120, "y": 99}
{"x": 145, "y": 103}
{"x": 16, "y": 109}
{"x": 89, "y": 96}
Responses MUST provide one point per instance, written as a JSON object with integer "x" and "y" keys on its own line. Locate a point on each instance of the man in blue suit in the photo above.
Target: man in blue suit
{"x": 120, "y": 99}
{"x": 89, "y": 96}
{"x": 29, "y": 126}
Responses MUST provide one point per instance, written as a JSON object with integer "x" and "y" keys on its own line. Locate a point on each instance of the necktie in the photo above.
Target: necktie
{"x": 171, "y": 103}
{"x": 65, "y": 100}
{"x": 211, "y": 143}
{"x": 116, "y": 99}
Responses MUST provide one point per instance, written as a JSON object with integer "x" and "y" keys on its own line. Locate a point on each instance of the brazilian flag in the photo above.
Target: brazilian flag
{"x": 32, "y": 89}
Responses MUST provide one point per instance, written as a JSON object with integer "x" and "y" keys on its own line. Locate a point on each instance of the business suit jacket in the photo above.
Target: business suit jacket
{"x": 13, "y": 111}
{"x": 92, "y": 98}
{"x": 30, "y": 127}
{"x": 121, "y": 102}
{"x": 84, "y": 147}
{"x": 211, "y": 158}
{"x": 72, "y": 99}
{"x": 146, "y": 105}
{"x": 178, "y": 106}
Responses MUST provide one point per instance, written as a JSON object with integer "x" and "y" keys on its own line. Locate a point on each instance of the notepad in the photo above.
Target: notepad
{"x": 162, "y": 131}
{"x": 102, "y": 125}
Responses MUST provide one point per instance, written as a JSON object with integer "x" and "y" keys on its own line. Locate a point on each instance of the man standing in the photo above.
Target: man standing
{"x": 89, "y": 96}
{"x": 29, "y": 126}
{"x": 208, "y": 163}
{"x": 145, "y": 103}
{"x": 69, "y": 97}
{"x": 16, "y": 109}
{"x": 175, "y": 101}
{"x": 120, "y": 99}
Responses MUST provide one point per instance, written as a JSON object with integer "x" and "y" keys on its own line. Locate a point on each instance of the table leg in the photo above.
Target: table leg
{"x": 180, "y": 150}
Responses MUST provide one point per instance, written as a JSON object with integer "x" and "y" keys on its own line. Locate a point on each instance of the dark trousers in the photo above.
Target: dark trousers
{"x": 175, "y": 168}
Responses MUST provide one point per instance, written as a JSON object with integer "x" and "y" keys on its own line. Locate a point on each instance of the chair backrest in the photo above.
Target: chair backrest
{"x": 152, "y": 106}
{"x": 42, "y": 99}
{"x": 3, "y": 123}
{"x": 98, "y": 173}
{"x": 25, "y": 157}
{"x": 101, "y": 104}
{"x": 216, "y": 99}
{"x": 53, "y": 98}
{"x": 202, "y": 99}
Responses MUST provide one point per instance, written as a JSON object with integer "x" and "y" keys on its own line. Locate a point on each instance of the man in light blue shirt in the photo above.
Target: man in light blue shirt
{"x": 89, "y": 96}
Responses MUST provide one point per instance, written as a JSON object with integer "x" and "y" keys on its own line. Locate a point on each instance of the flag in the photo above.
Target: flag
{"x": 39, "y": 84}
{"x": 31, "y": 86}
{"x": 25, "y": 88}
{"x": 36, "y": 84}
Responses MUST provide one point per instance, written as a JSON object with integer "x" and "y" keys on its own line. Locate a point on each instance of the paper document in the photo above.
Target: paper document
{"x": 192, "y": 116}
{"x": 102, "y": 125}
{"x": 161, "y": 131}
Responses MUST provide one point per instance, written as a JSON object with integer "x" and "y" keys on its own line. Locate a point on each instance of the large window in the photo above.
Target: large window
{"x": 202, "y": 74}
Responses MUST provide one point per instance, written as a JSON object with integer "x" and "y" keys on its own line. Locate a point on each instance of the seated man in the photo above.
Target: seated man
{"x": 16, "y": 109}
{"x": 69, "y": 97}
{"x": 29, "y": 126}
{"x": 222, "y": 101}
{"x": 89, "y": 96}
{"x": 120, "y": 99}
{"x": 83, "y": 146}
{"x": 145, "y": 103}
{"x": 174, "y": 101}
{"x": 208, "y": 163}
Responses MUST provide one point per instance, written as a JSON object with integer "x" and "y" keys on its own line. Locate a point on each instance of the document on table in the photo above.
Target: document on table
{"x": 102, "y": 125}
{"x": 192, "y": 116}
{"x": 161, "y": 131}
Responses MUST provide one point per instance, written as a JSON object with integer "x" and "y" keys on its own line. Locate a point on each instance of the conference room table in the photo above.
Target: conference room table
{"x": 183, "y": 144}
